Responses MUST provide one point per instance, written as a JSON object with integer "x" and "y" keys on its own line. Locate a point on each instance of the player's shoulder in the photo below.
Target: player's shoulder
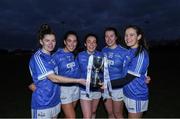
{"x": 38, "y": 53}
{"x": 104, "y": 49}
{"x": 59, "y": 52}
{"x": 142, "y": 57}
{"x": 81, "y": 53}
{"x": 36, "y": 57}
{"x": 98, "y": 53}
{"x": 122, "y": 48}
{"x": 145, "y": 54}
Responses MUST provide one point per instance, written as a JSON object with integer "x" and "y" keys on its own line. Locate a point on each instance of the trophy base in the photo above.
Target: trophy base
{"x": 95, "y": 85}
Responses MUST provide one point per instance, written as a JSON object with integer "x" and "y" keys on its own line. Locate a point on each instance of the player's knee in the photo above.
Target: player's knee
{"x": 110, "y": 114}
{"x": 88, "y": 115}
{"x": 118, "y": 114}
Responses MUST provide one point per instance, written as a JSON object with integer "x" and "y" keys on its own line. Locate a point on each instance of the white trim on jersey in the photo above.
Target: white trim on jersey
{"x": 41, "y": 66}
{"x": 40, "y": 63}
{"x": 134, "y": 73}
{"x": 138, "y": 65}
{"x": 139, "y": 62}
{"x": 43, "y": 76}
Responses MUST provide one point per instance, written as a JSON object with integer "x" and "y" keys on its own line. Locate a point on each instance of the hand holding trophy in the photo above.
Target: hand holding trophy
{"x": 95, "y": 64}
{"x": 96, "y": 67}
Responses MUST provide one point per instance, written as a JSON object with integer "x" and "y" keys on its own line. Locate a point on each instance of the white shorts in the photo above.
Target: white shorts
{"x": 135, "y": 106}
{"x": 69, "y": 94}
{"x": 46, "y": 113}
{"x": 116, "y": 95}
{"x": 92, "y": 95}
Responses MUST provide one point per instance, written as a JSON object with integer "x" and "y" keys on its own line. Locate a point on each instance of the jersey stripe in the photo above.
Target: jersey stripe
{"x": 41, "y": 77}
{"x": 40, "y": 64}
{"x": 139, "y": 62}
{"x": 137, "y": 65}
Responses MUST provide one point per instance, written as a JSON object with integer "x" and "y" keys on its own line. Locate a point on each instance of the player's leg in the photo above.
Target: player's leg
{"x": 135, "y": 115}
{"x": 85, "y": 102}
{"x": 68, "y": 110}
{"x": 68, "y": 101}
{"x": 118, "y": 104}
{"x": 95, "y": 95}
{"x": 109, "y": 108}
{"x": 118, "y": 109}
{"x": 86, "y": 108}
{"x": 75, "y": 95}
{"x": 95, "y": 103}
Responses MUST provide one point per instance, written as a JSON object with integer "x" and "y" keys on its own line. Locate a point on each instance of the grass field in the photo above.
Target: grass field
{"x": 164, "y": 97}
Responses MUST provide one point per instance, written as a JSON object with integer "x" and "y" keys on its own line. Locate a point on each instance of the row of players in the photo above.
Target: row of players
{"x": 55, "y": 76}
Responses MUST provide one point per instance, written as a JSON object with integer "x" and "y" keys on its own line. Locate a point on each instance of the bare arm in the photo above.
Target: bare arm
{"x": 61, "y": 79}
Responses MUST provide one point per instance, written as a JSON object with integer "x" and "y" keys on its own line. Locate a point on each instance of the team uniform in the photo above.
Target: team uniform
{"x": 136, "y": 92}
{"x": 83, "y": 58}
{"x": 45, "y": 99}
{"x": 116, "y": 63}
{"x": 68, "y": 67}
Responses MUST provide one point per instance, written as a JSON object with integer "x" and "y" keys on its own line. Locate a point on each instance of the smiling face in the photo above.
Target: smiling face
{"x": 110, "y": 39}
{"x": 91, "y": 44}
{"x": 132, "y": 38}
{"x": 70, "y": 43}
{"x": 48, "y": 43}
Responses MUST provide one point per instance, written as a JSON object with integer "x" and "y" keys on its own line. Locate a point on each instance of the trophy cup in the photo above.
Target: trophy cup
{"x": 97, "y": 65}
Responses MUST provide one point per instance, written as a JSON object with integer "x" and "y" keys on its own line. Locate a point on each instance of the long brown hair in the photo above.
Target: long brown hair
{"x": 142, "y": 41}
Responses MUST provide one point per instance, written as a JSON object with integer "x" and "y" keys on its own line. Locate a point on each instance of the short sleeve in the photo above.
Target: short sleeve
{"x": 43, "y": 67}
{"x": 138, "y": 65}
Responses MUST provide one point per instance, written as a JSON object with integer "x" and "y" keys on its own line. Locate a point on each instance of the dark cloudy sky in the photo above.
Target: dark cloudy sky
{"x": 20, "y": 19}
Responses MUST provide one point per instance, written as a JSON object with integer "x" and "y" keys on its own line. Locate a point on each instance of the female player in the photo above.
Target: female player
{"x": 68, "y": 66}
{"x": 89, "y": 102}
{"x": 135, "y": 89}
{"x": 115, "y": 54}
{"x": 45, "y": 98}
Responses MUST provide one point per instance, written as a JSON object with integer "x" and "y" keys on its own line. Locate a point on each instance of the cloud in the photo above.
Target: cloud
{"x": 23, "y": 17}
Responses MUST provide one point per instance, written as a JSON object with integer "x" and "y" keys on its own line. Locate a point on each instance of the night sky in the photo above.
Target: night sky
{"x": 20, "y": 19}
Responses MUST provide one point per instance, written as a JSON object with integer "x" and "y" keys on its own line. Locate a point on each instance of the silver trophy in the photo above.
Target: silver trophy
{"x": 97, "y": 66}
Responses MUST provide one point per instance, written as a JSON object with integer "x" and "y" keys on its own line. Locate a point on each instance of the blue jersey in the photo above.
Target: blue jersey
{"x": 83, "y": 58}
{"x": 137, "y": 89}
{"x": 116, "y": 61}
{"x": 67, "y": 64}
{"x": 47, "y": 93}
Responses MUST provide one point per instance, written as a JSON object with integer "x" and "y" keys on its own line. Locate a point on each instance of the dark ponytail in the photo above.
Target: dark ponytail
{"x": 44, "y": 29}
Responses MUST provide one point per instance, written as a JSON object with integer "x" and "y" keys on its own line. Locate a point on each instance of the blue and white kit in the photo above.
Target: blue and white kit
{"x": 47, "y": 93}
{"x": 116, "y": 63}
{"x": 68, "y": 67}
{"x": 136, "y": 92}
{"x": 83, "y": 59}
